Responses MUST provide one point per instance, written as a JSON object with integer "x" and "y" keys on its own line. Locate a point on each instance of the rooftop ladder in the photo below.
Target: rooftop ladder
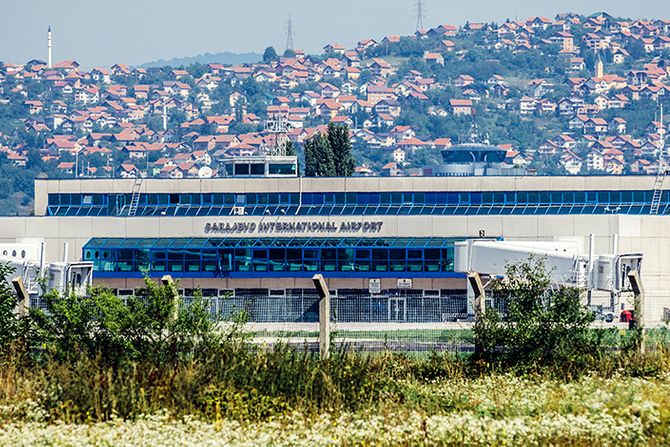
{"x": 662, "y": 169}
{"x": 135, "y": 198}
{"x": 658, "y": 187}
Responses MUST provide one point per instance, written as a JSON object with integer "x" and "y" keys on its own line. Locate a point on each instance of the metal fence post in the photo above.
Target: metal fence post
{"x": 479, "y": 304}
{"x": 638, "y": 291}
{"x": 22, "y": 294}
{"x": 324, "y": 315}
{"x": 480, "y": 296}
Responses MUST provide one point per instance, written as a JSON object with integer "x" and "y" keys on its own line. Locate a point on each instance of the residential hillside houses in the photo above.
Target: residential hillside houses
{"x": 404, "y": 99}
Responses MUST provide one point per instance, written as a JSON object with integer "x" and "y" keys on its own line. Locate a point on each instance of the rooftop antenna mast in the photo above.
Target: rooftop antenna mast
{"x": 662, "y": 168}
{"x": 164, "y": 114}
{"x": 419, "y": 15}
{"x": 289, "y": 34}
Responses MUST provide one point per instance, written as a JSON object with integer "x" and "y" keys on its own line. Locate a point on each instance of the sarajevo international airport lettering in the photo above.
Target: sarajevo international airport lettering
{"x": 292, "y": 227}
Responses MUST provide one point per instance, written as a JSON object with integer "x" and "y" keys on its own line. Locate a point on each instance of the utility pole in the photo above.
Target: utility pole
{"x": 289, "y": 34}
{"x": 164, "y": 114}
{"x": 661, "y": 135}
{"x": 419, "y": 15}
{"x": 662, "y": 169}
{"x": 638, "y": 291}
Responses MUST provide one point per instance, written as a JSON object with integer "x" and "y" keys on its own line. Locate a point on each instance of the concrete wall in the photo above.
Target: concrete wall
{"x": 647, "y": 234}
{"x": 78, "y": 230}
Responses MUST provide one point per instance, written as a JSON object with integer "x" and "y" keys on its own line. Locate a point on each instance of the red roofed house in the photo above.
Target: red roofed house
{"x": 391, "y": 169}
{"x": 412, "y": 144}
{"x": 447, "y": 45}
{"x": 334, "y": 48}
{"x": 442, "y": 143}
{"x": 433, "y": 58}
{"x": 66, "y": 167}
{"x": 380, "y": 67}
{"x": 378, "y": 92}
{"x": 461, "y": 107}
{"x": 400, "y": 133}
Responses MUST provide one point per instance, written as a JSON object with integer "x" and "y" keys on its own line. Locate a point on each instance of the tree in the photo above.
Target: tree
{"x": 340, "y": 144}
{"x": 269, "y": 55}
{"x": 635, "y": 48}
{"x": 12, "y": 325}
{"x": 291, "y": 152}
{"x": 290, "y": 149}
{"x": 311, "y": 164}
{"x": 542, "y": 325}
{"x": 319, "y": 159}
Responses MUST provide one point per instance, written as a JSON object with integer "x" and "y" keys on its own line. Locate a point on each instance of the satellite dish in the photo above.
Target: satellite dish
{"x": 205, "y": 172}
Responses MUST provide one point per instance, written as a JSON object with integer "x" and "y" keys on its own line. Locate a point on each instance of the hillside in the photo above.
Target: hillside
{"x": 225, "y": 57}
{"x": 563, "y": 96}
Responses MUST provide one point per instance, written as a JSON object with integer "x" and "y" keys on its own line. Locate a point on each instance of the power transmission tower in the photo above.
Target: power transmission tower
{"x": 419, "y": 15}
{"x": 289, "y": 34}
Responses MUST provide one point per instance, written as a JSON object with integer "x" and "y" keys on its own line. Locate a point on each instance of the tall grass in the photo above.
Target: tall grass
{"x": 246, "y": 382}
{"x": 96, "y": 359}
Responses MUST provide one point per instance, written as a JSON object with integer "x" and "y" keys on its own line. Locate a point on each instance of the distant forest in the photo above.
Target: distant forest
{"x": 207, "y": 58}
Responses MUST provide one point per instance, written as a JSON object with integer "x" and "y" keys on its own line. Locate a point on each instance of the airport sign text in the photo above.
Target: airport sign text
{"x": 292, "y": 227}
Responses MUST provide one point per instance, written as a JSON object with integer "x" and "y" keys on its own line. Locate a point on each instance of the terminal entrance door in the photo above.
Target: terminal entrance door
{"x": 397, "y": 308}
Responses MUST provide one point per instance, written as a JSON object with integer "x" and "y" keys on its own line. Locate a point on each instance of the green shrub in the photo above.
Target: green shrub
{"x": 544, "y": 325}
{"x": 14, "y": 328}
{"x": 151, "y": 326}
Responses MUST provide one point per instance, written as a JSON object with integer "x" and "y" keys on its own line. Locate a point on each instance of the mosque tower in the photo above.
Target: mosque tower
{"x": 600, "y": 69}
{"x": 49, "y": 45}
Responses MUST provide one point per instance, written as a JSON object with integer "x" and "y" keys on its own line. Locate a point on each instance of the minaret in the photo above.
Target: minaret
{"x": 600, "y": 69}
{"x": 49, "y": 45}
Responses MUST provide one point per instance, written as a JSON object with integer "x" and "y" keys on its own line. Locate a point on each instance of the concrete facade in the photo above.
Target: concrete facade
{"x": 648, "y": 234}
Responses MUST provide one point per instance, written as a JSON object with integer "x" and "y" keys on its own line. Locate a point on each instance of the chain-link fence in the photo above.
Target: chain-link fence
{"x": 398, "y": 320}
{"x": 401, "y": 320}
{"x": 394, "y": 320}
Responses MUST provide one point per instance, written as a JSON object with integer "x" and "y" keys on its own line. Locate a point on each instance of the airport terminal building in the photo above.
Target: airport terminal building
{"x": 387, "y": 237}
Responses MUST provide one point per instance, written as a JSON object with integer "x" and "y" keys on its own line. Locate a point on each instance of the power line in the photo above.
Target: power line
{"x": 289, "y": 34}
{"x": 419, "y": 15}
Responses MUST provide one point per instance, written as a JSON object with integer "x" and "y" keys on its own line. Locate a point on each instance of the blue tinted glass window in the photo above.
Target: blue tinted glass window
{"x": 591, "y": 197}
{"x": 351, "y": 203}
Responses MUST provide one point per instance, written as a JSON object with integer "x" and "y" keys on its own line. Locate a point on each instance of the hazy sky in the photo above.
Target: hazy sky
{"x": 135, "y": 31}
